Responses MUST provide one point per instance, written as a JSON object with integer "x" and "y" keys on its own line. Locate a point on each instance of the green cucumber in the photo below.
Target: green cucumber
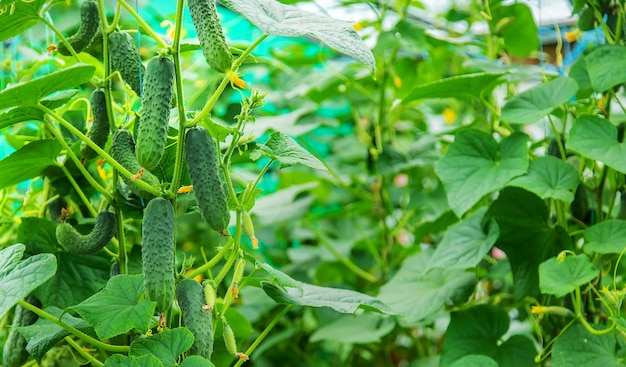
{"x": 14, "y": 353}
{"x": 124, "y": 57}
{"x": 190, "y": 296}
{"x": 229, "y": 337}
{"x": 203, "y": 167}
{"x": 158, "y": 87}
{"x": 99, "y": 132}
{"x": 210, "y": 34}
{"x": 123, "y": 151}
{"x": 76, "y": 243}
{"x": 89, "y": 23}
{"x": 157, "y": 252}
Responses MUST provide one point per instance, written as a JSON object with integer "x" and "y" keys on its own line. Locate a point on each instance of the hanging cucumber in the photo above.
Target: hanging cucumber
{"x": 158, "y": 87}
{"x": 89, "y": 23}
{"x": 203, "y": 167}
{"x": 14, "y": 353}
{"x": 157, "y": 252}
{"x": 99, "y": 132}
{"x": 190, "y": 296}
{"x": 76, "y": 243}
{"x": 123, "y": 151}
{"x": 210, "y": 34}
{"x": 124, "y": 58}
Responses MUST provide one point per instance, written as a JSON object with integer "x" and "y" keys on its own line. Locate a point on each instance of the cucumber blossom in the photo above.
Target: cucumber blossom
{"x": 124, "y": 58}
{"x": 157, "y": 252}
{"x": 202, "y": 164}
{"x": 76, "y": 243}
{"x": 89, "y": 23}
{"x": 210, "y": 34}
{"x": 123, "y": 151}
{"x": 99, "y": 132}
{"x": 190, "y": 296}
{"x": 15, "y": 354}
{"x": 158, "y": 87}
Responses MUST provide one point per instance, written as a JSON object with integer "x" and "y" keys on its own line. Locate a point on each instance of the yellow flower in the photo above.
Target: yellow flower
{"x": 572, "y": 36}
{"x": 357, "y": 26}
{"x": 538, "y": 309}
{"x": 449, "y": 116}
{"x": 184, "y": 189}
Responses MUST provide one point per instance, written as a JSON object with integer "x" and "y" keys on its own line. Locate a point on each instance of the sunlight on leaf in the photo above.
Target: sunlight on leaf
{"x": 549, "y": 177}
{"x": 166, "y": 345}
{"x": 28, "y": 162}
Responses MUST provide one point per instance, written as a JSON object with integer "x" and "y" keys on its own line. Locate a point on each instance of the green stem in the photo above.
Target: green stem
{"x": 79, "y": 334}
{"x": 79, "y": 191}
{"x": 234, "y": 255}
{"x": 599, "y": 209}
{"x": 264, "y": 333}
{"x": 60, "y": 35}
{"x": 82, "y": 352}
{"x": 121, "y": 240}
{"x": 146, "y": 27}
{"x": 214, "y": 260}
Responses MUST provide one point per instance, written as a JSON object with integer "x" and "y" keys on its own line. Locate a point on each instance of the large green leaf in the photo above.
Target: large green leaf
{"x": 608, "y": 237}
{"x": 517, "y": 27}
{"x": 476, "y": 165}
{"x": 535, "y": 103}
{"x": 561, "y": 276}
{"x": 30, "y": 113}
{"x": 28, "y": 162}
{"x": 606, "y": 66}
{"x": 18, "y": 16}
{"x": 596, "y": 138}
{"x": 118, "y": 360}
{"x": 32, "y": 91}
{"x": 287, "y": 151}
{"x": 167, "y": 346}
{"x": 479, "y": 330}
{"x": 475, "y": 360}
{"x": 549, "y": 177}
{"x": 417, "y": 293}
{"x": 361, "y": 329}
{"x": 20, "y": 278}
{"x": 526, "y": 236}
{"x": 277, "y": 19}
{"x": 196, "y": 361}
{"x": 465, "y": 243}
{"x": 578, "y": 347}
{"x": 460, "y": 86}
{"x": 117, "y": 309}
{"x": 38, "y": 234}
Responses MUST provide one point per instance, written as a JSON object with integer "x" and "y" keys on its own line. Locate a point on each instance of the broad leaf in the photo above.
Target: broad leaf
{"x": 288, "y": 152}
{"x": 476, "y": 165}
{"x": 578, "y": 347}
{"x": 526, "y": 236}
{"x": 606, "y": 66}
{"x": 30, "y": 113}
{"x": 461, "y": 86}
{"x": 118, "y": 360}
{"x": 276, "y": 19}
{"x": 167, "y": 346}
{"x": 18, "y": 16}
{"x": 479, "y": 330}
{"x": 549, "y": 177}
{"x": 596, "y": 138}
{"x": 466, "y": 243}
{"x": 117, "y": 309}
{"x": 20, "y": 278}
{"x": 417, "y": 293}
{"x": 475, "y": 360}
{"x": 362, "y": 329}
{"x": 280, "y": 278}
{"x": 38, "y": 234}
{"x": 578, "y": 71}
{"x": 28, "y": 162}
{"x": 608, "y": 237}
{"x": 560, "y": 277}
{"x": 44, "y": 334}
{"x": 284, "y": 204}
{"x": 196, "y": 361}
{"x": 535, "y": 103}
{"x": 517, "y": 27}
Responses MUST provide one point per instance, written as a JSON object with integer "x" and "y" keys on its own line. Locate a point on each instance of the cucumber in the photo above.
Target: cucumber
{"x": 190, "y": 296}
{"x": 202, "y": 164}
{"x": 210, "y": 34}
{"x": 158, "y": 87}
{"x": 124, "y": 58}
{"x": 99, "y": 132}
{"x": 89, "y": 23}
{"x": 123, "y": 151}
{"x": 229, "y": 337}
{"x": 157, "y": 252}
{"x": 14, "y": 354}
{"x": 76, "y": 243}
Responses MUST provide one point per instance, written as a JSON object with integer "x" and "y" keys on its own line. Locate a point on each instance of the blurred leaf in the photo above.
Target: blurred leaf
{"x": 196, "y": 361}
{"x": 283, "y": 205}
{"x": 167, "y": 345}
{"x": 461, "y": 86}
{"x": 578, "y": 347}
{"x": 560, "y": 277}
{"x": 118, "y": 360}
{"x": 596, "y": 138}
{"x": 287, "y": 151}
{"x": 362, "y": 329}
{"x": 475, "y": 360}
{"x": 476, "y": 165}
{"x": 549, "y": 177}
{"x": 579, "y": 72}
{"x": 18, "y": 16}
{"x": 280, "y": 278}
{"x": 38, "y": 234}
{"x": 606, "y": 66}
{"x": 28, "y": 162}
{"x": 535, "y": 103}
{"x": 606, "y": 237}
{"x": 516, "y": 25}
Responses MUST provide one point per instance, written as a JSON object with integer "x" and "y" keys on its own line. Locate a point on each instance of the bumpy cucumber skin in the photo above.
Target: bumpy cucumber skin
{"x": 124, "y": 58}
{"x": 76, "y": 243}
{"x": 210, "y": 34}
{"x": 14, "y": 354}
{"x": 190, "y": 296}
{"x": 158, "y": 87}
{"x": 157, "y": 252}
{"x": 89, "y": 23}
{"x": 99, "y": 132}
{"x": 204, "y": 173}
{"x": 123, "y": 151}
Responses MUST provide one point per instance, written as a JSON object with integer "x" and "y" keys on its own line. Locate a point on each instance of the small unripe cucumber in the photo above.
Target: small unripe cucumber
{"x": 99, "y": 132}
{"x": 229, "y": 337}
{"x": 158, "y": 86}
{"x": 124, "y": 58}
{"x": 157, "y": 252}
{"x": 76, "y": 243}
{"x": 190, "y": 296}
{"x": 210, "y": 34}
{"x": 14, "y": 354}
{"x": 202, "y": 164}
{"x": 89, "y": 23}
{"x": 123, "y": 151}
